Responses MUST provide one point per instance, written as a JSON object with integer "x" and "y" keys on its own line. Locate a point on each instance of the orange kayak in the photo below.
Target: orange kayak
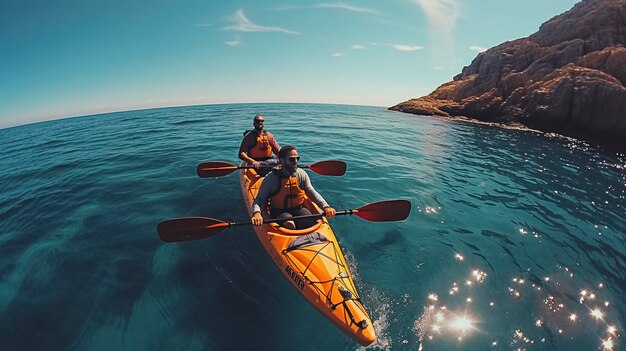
{"x": 313, "y": 262}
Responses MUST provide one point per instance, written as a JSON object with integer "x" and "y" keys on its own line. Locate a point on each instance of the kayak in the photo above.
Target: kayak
{"x": 312, "y": 261}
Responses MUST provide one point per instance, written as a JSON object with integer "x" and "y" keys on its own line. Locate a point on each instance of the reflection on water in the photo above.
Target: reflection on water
{"x": 515, "y": 241}
{"x": 562, "y": 314}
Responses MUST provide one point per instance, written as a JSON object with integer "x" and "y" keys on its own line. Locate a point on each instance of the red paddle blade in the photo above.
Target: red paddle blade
{"x": 215, "y": 169}
{"x": 189, "y": 228}
{"x": 329, "y": 168}
{"x": 385, "y": 211}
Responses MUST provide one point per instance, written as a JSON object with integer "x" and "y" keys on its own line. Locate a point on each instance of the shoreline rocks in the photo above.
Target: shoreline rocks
{"x": 566, "y": 78}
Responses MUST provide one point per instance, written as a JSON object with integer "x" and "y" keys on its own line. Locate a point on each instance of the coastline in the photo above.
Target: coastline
{"x": 516, "y": 126}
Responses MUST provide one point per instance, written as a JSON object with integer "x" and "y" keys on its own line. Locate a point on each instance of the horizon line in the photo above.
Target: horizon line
{"x": 175, "y": 106}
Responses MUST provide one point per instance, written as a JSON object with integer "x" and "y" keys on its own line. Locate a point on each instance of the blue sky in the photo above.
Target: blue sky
{"x": 70, "y": 58}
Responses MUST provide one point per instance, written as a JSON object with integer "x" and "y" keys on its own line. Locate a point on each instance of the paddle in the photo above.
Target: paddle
{"x": 193, "y": 228}
{"x": 219, "y": 169}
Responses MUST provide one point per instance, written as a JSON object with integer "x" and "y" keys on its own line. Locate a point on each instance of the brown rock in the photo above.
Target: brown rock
{"x": 568, "y": 78}
{"x": 610, "y": 60}
{"x": 425, "y": 106}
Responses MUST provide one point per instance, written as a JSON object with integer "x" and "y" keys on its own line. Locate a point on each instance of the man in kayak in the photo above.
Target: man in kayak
{"x": 286, "y": 188}
{"x": 258, "y": 144}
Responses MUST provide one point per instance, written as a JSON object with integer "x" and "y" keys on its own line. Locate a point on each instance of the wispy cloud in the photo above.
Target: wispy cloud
{"x": 399, "y": 47}
{"x": 403, "y": 47}
{"x": 336, "y": 5}
{"x": 477, "y": 48}
{"x": 442, "y": 16}
{"x": 342, "y": 6}
{"x": 337, "y": 54}
{"x": 233, "y": 43}
{"x": 243, "y": 24}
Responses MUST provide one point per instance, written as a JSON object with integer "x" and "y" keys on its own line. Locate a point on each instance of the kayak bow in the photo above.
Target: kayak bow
{"x": 313, "y": 263}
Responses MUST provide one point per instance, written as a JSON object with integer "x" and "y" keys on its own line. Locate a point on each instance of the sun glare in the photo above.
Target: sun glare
{"x": 461, "y": 324}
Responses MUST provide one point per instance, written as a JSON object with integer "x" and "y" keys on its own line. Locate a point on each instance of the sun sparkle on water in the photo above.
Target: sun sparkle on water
{"x": 608, "y": 344}
{"x": 597, "y": 314}
{"x": 439, "y": 322}
{"x": 439, "y": 317}
{"x": 462, "y": 324}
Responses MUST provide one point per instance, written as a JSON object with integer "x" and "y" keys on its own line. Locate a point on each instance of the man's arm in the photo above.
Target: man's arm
{"x": 244, "y": 147}
{"x": 268, "y": 186}
{"x": 246, "y": 144}
{"x": 273, "y": 143}
{"x": 305, "y": 184}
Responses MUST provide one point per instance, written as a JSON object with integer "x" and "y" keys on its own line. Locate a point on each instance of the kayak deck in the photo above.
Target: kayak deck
{"x": 313, "y": 262}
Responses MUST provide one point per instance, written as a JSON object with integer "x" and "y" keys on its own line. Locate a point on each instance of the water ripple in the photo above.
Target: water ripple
{"x": 512, "y": 233}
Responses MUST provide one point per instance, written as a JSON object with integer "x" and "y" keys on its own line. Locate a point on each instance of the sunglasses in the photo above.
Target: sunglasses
{"x": 259, "y": 121}
{"x": 293, "y": 159}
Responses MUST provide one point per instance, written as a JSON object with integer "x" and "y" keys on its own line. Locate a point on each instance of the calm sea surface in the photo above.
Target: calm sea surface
{"x": 515, "y": 241}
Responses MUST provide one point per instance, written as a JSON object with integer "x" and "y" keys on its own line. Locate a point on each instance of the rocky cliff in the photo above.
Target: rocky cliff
{"x": 567, "y": 78}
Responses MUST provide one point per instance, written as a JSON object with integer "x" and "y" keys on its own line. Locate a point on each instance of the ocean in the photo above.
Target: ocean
{"x": 516, "y": 240}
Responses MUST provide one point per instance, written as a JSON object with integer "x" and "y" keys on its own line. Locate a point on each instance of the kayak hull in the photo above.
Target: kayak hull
{"x": 312, "y": 261}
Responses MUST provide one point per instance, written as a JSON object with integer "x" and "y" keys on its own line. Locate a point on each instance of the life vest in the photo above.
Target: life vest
{"x": 261, "y": 150}
{"x": 289, "y": 195}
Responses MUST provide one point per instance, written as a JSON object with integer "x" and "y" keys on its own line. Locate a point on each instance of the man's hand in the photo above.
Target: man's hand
{"x": 329, "y": 212}
{"x": 256, "y": 164}
{"x": 257, "y": 219}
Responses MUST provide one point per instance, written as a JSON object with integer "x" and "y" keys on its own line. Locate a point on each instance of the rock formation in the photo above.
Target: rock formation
{"x": 566, "y": 78}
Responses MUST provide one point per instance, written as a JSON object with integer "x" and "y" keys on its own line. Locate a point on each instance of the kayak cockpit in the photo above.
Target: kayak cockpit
{"x": 314, "y": 209}
{"x": 304, "y": 231}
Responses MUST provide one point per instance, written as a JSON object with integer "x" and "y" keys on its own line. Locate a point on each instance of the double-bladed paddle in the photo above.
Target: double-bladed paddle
{"x": 193, "y": 228}
{"x": 219, "y": 168}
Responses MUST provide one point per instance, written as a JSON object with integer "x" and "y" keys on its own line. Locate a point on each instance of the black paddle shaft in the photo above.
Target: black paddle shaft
{"x": 295, "y": 218}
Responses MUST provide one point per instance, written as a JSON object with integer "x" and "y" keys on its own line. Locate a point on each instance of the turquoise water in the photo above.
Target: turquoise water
{"x": 516, "y": 241}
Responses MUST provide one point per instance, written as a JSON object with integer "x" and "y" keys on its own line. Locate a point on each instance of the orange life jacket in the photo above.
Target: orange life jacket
{"x": 289, "y": 196}
{"x": 261, "y": 150}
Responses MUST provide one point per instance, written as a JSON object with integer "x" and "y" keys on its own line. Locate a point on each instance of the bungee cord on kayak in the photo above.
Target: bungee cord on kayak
{"x": 343, "y": 280}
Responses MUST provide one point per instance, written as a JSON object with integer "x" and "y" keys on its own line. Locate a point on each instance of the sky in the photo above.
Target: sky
{"x": 70, "y": 58}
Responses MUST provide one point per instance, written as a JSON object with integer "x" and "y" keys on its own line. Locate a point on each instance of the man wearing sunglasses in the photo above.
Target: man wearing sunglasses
{"x": 258, "y": 144}
{"x": 286, "y": 188}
